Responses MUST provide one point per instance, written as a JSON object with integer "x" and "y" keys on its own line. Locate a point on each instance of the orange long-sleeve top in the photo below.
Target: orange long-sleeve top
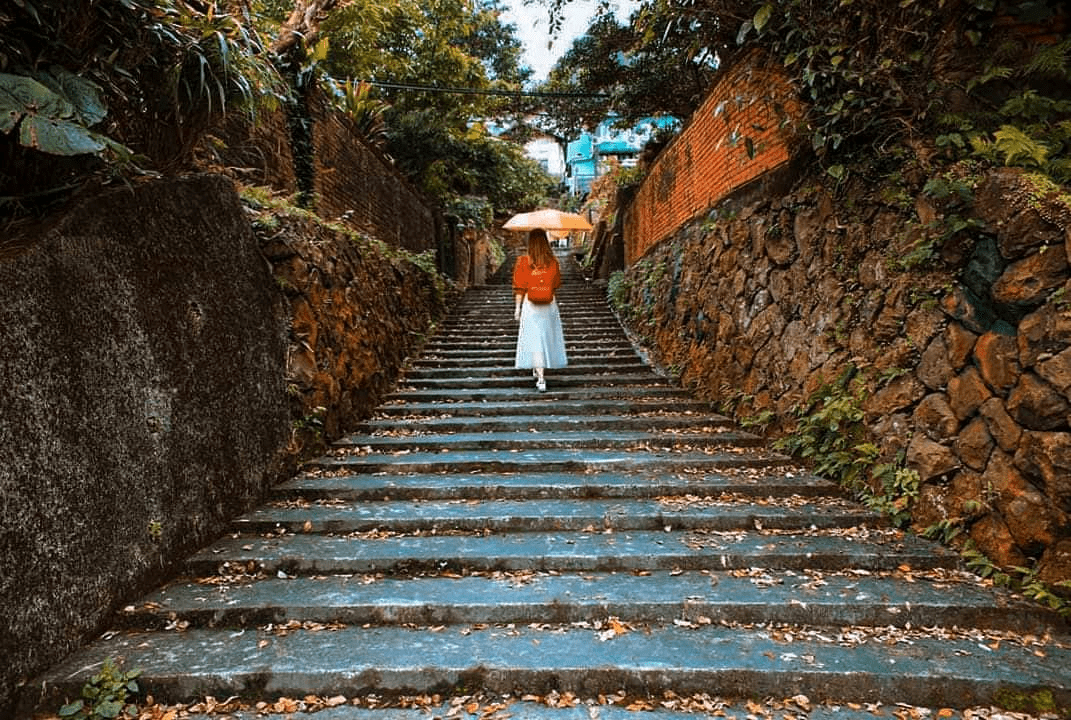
{"x": 523, "y": 273}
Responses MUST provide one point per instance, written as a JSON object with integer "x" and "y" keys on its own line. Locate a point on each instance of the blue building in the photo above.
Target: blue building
{"x": 589, "y": 156}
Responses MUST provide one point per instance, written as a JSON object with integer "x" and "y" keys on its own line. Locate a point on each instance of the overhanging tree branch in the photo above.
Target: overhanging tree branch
{"x": 302, "y": 26}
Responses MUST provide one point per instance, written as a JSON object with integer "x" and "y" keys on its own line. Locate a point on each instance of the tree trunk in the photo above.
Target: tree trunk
{"x": 302, "y": 25}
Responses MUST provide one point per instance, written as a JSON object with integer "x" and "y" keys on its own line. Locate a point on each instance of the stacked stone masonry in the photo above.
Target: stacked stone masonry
{"x": 968, "y": 368}
{"x": 761, "y": 298}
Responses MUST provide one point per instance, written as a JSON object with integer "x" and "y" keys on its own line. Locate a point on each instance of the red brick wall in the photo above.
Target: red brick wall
{"x": 353, "y": 183}
{"x": 255, "y": 151}
{"x": 358, "y": 185}
{"x": 742, "y": 130}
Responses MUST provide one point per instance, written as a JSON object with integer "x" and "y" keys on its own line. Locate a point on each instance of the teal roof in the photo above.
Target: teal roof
{"x": 618, "y": 147}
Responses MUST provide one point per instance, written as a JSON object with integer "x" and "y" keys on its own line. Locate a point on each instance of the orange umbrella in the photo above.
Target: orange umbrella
{"x": 548, "y": 219}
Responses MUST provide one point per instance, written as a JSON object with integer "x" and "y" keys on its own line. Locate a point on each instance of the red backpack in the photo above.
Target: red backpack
{"x": 541, "y": 285}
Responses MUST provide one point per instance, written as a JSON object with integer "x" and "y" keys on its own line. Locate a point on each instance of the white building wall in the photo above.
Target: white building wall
{"x": 548, "y": 153}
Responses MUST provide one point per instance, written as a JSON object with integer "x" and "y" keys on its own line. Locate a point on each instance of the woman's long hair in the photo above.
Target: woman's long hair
{"x": 539, "y": 249}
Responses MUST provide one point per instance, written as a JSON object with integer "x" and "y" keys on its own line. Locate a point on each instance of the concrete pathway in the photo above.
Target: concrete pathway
{"x": 483, "y": 550}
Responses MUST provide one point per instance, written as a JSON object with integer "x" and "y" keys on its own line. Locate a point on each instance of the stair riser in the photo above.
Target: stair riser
{"x": 526, "y": 381}
{"x": 506, "y": 359}
{"x": 535, "y": 443}
{"x": 435, "y": 611}
{"x": 688, "y": 562}
{"x": 509, "y": 371}
{"x": 533, "y": 407}
{"x": 576, "y": 523}
{"x": 587, "y": 683}
{"x": 529, "y": 395}
{"x": 609, "y": 423}
{"x": 481, "y": 487}
{"x": 494, "y": 465}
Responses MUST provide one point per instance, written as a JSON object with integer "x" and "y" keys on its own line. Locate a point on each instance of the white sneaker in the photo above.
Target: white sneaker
{"x": 541, "y": 385}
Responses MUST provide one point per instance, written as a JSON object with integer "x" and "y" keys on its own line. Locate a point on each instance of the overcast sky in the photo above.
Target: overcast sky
{"x": 533, "y": 29}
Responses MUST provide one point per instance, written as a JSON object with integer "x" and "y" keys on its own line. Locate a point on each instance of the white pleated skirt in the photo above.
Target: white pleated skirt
{"x": 540, "y": 342}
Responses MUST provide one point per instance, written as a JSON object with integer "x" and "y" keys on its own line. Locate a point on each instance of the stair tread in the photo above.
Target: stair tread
{"x": 756, "y": 595}
{"x": 740, "y": 662}
{"x": 549, "y": 484}
{"x": 553, "y": 514}
{"x": 554, "y": 422}
{"x": 541, "y": 459}
{"x": 534, "y": 437}
{"x": 628, "y": 407}
{"x": 574, "y": 550}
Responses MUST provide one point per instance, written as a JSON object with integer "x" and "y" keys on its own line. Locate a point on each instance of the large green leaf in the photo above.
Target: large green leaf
{"x": 53, "y": 112}
{"x": 59, "y": 137}
{"x": 83, "y": 94}
{"x": 28, "y": 96}
{"x": 10, "y": 111}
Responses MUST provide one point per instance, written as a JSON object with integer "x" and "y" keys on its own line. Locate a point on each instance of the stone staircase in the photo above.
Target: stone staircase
{"x": 481, "y": 549}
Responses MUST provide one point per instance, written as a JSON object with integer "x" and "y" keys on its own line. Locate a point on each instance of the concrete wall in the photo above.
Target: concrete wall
{"x": 163, "y": 360}
{"x": 142, "y": 402}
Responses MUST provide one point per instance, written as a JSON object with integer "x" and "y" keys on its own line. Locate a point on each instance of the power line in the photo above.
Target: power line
{"x": 475, "y": 91}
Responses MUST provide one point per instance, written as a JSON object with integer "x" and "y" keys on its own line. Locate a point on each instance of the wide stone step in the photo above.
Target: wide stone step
{"x": 571, "y": 327}
{"x": 646, "y": 404}
{"x": 506, "y": 351}
{"x": 755, "y": 484}
{"x": 671, "y": 397}
{"x": 506, "y": 347}
{"x": 937, "y": 599}
{"x": 892, "y": 667}
{"x": 574, "y": 332}
{"x": 550, "y": 423}
{"x": 552, "y": 706}
{"x": 502, "y": 320}
{"x": 630, "y": 551}
{"x": 500, "y": 313}
{"x": 578, "y": 346}
{"x": 508, "y": 441}
{"x": 502, "y": 516}
{"x": 424, "y": 372}
{"x": 549, "y": 460}
{"x": 523, "y": 379}
{"x": 504, "y": 361}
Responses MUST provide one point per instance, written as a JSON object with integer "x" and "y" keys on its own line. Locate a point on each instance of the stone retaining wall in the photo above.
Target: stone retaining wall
{"x": 967, "y": 359}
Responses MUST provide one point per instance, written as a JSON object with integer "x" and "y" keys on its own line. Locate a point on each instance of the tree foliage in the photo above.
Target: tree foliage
{"x": 627, "y": 71}
{"x": 118, "y": 81}
{"x": 443, "y": 43}
{"x": 143, "y": 80}
{"x": 450, "y": 164}
{"x": 395, "y": 67}
{"x": 874, "y": 75}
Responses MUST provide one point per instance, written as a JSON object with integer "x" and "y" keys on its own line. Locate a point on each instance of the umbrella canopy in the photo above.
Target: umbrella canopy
{"x": 547, "y": 219}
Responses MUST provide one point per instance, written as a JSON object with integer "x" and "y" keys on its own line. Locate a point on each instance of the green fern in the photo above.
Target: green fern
{"x": 991, "y": 73}
{"x": 1018, "y": 148}
{"x": 1052, "y": 61}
